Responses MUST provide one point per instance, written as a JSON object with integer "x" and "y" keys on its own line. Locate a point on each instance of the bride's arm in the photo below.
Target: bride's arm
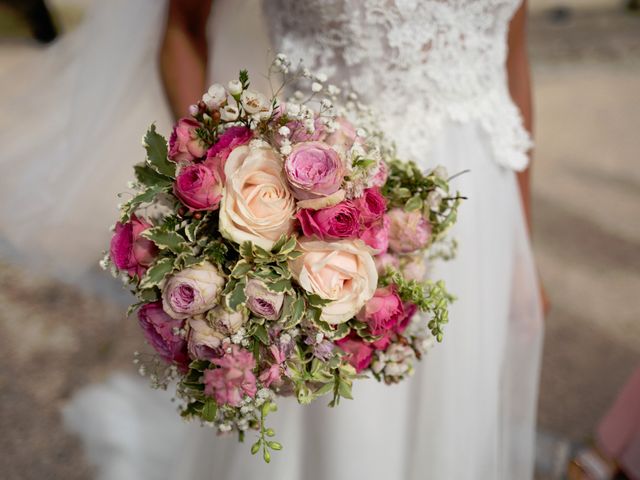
{"x": 520, "y": 88}
{"x": 183, "y": 54}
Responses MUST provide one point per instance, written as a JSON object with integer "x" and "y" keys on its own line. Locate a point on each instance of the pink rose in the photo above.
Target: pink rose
{"x": 300, "y": 134}
{"x": 129, "y": 250}
{"x": 344, "y": 137}
{"x": 314, "y": 170}
{"x": 380, "y": 178}
{"x": 383, "y": 312}
{"x": 409, "y": 231}
{"x": 233, "y": 378}
{"x": 358, "y": 352}
{"x": 158, "y": 329}
{"x": 339, "y": 221}
{"x": 376, "y": 235}
{"x": 184, "y": 144}
{"x": 199, "y": 187}
{"x": 192, "y": 291}
{"x": 233, "y": 137}
{"x": 372, "y": 205}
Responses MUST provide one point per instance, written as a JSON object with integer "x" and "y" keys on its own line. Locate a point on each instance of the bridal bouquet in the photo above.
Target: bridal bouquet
{"x": 279, "y": 248}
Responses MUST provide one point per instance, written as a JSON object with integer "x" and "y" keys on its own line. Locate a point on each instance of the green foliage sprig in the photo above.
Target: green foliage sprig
{"x": 430, "y": 297}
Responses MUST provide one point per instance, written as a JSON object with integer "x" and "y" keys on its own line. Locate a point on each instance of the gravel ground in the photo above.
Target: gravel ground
{"x": 586, "y": 236}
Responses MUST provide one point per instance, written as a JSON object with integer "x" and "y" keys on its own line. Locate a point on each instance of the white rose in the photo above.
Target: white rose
{"x": 254, "y": 102}
{"x": 342, "y": 271}
{"x": 192, "y": 291}
{"x": 257, "y": 205}
{"x": 215, "y": 97}
{"x": 234, "y": 87}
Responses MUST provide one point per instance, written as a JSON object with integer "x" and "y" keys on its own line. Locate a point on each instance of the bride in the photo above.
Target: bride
{"x": 453, "y": 78}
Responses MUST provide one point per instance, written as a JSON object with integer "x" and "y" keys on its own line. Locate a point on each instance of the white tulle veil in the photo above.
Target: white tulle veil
{"x": 71, "y": 123}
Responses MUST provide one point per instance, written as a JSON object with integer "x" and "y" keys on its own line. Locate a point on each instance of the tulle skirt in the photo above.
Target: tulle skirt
{"x": 69, "y": 138}
{"x": 468, "y": 412}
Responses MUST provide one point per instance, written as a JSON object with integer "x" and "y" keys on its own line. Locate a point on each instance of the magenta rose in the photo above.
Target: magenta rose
{"x": 410, "y": 310}
{"x": 371, "y": 205}
{"x": 233, "y": 379}
{"x": 409, "y": 231}
{"x": 199, "y": 187}
{"x": 314, "y": 170}
{"x": 383, "y": 312}
{"x": 129, "y": 250}
{"x": 158, "y": 328}
{"x": 339, "y": 221}
{"x": 376, "y": 235}
{"x": 232, "y": 137}
{"x": 184, "y": 144}
{"x": 358, "y": 352}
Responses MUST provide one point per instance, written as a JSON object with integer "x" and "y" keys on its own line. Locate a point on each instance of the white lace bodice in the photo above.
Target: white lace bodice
{"x": 419, "y": 62}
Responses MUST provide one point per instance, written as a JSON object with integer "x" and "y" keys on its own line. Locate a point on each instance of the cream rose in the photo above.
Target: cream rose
{"x": 257, "y": 205}
{"x": 341, "y": 271}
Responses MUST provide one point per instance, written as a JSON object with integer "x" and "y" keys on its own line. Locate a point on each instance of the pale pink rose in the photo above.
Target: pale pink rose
{"x": 199, "y": 188}
{"x": 314, "y": 170}
{"x": 385, "y": 260}
{"x": 383, "y": 312}
{"x": 358, "y": 352}
{"x": 232, "y": 137}
{"x": 192, "y": 291}
{"x": 184, "y": 144}
{"x": 409, "y": 231}
{"x": 380, "y": 178}
{"x": 344, "y": 137}
{"x": 414, "y": 267}
{"x": 376, "y": 235}
{"x": 257, "y": 206}
{"x": 233, "y": 379}
{"x": 371, "y": 205}
{"x": 263, "y": 302}
{"x": 341, "y": 271}
{"x": 159, "y": 330}
{"x": 339, "y": 221}
{"x": 204, "y": 342}
{"x": 129, "y": 250}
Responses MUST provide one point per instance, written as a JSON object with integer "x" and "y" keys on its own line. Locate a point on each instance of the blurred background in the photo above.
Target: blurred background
{"x": 586, "y": 178}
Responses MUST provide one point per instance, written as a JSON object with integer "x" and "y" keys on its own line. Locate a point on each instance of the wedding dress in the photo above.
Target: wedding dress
{"x": 436, "y": 71}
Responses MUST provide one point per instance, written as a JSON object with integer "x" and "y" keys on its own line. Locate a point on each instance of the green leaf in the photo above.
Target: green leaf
{"x": 241, "y": 269}
{"x": 190, "y": 230}
{"x": 145, "y": 196}
{"x": 172, "y": 241}
{"x": 280, "y": 286}
{"x": 262, "y": 335}
{"x": 150, "y": 177}
{"x": 156, "y": 273}
{"x": 297, "y": 310}
{"x": 237, "y": 296}
{"x": 209, "y": 410}
{"x": 414, "y": 203}
{"x": 326, "y": 388}
{"x": 156, "y": 147}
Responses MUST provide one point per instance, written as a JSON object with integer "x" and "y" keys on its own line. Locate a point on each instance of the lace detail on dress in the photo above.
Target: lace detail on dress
{"x": 420, "y": 62}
